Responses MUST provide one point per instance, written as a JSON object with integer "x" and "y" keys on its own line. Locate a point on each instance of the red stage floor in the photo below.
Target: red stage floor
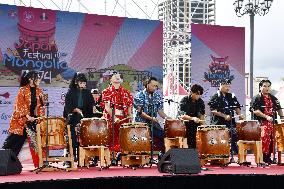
{"x": 94, "y": 172}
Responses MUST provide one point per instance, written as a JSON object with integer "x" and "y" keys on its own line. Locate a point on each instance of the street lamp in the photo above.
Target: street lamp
{"x": 252, "y": 7}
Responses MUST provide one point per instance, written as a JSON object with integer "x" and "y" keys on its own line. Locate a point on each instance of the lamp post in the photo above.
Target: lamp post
{"x": 252, "y": 8}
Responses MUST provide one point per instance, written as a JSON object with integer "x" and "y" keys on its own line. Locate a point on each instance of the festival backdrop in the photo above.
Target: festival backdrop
{"x": 218, "y": 52}
{"x": 58, "y": 44}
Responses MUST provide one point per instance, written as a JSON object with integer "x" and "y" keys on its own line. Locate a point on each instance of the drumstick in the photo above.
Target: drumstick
{"x": 38, "y": 118}
{"x": 237, "y": 116}
{"x": 201, "y": 120}
{"x": 123, "y": 119}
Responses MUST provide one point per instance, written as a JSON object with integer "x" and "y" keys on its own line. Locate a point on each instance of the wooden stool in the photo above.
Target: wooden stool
{"x": 279, "y": 162}
{"x": 85, "y": 153}
{"x": 279, "y": 136}
{"x": 221, "y": 161}
{"x": 177, "y": 142}
{"x": 134, "y": 160}
{"x": 256, "y": 146}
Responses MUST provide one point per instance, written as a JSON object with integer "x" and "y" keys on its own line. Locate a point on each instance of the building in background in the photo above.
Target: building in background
{"x": 203, "y": 11}
{"x": 177, "y": 16}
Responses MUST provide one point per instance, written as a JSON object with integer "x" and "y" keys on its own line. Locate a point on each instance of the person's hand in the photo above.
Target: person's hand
{"x": 154, "y": 120}
{"x": 195, "y": 119}
{"x": 77, "y": 110}
{"x": 269, "y": 118}
{"x": 227, "y": 117}
{"x": 242, "y": 117}
{"x": 95, "y": 110}
{"x": 116, "y": 120}
{"x": 30, "y": 118}
{"x": 183, "y": 117}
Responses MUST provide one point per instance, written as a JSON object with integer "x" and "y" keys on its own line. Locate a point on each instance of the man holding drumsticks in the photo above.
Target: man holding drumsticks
{"x": 194, "y": 109}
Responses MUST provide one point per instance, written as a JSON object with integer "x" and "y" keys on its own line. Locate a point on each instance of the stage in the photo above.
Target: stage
{"x": 232, "y": 176}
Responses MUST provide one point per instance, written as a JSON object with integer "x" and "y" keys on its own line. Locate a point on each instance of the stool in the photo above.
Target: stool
{"x": 256, "y": 146}
{"x": 85, "y": 153}
{"x": 177, "y": 142}
{"x": 134, "y": 160}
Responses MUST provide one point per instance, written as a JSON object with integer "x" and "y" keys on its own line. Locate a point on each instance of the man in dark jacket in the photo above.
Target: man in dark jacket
{"x": 223, "y": 106}
{"x": 194, "y": 109}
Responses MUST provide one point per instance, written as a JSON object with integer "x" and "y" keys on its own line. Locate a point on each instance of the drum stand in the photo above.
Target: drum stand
{"x": 232, "y": 160}
{"x": 152, "y": 160}
{"x": 113, "y": 160}
{"x": 274, "y": 161}
{"x": 46, "y": 165}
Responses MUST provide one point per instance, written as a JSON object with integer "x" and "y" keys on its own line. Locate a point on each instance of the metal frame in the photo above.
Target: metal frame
{"x": 177, "y": 16}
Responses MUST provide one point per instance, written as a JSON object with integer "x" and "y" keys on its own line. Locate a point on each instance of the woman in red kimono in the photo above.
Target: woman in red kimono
{"x": 120, "y": 100}
{"x": 28, "y": 106}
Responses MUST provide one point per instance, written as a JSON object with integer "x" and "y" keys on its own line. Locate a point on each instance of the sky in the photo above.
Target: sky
{"x": 268, "y": 38}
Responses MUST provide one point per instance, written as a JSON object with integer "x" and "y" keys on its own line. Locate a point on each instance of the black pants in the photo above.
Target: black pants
{"x": 15, "y": 142}
{"x": 158, "y": 134}
{"x": 234, "y": 139}
{"x": 191, "y": 135}
{"x": 74, "y": 119}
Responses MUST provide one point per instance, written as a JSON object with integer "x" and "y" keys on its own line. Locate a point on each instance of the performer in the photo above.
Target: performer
{"x": 194, "y": 109}
{"x": 98, "y": 104}
{"x": 222, "y": 105}
{"x": 78, "y": 104}
{"x": 265, "y": 107}
{"x": 147, "y": 105}
{"x": 118, "y": 101}
{"x": 28, "y": 106}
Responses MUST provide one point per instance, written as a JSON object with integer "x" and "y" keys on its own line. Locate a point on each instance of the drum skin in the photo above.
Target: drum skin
{"x": 93, "y": 131}
{"x": 134, "y": 138}
{"x": 213, "y": 140}
{"x": 174, "y": 128}
{"x": 56, "y": 127}
{"x": 248, "y": 130}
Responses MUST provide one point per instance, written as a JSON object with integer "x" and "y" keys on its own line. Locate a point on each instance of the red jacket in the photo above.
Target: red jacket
{"x": 22, "y": 108}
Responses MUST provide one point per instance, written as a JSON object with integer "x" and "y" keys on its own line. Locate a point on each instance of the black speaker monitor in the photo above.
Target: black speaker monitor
{"x": 180, "y": 161}
{"x": 9, "y": 163}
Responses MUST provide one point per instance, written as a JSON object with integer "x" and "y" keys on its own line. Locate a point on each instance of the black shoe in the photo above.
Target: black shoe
{"x": 67, "y": 164}
{"x": 114, "y": 162}
{"x": 160, "y": 155}
{"x": 118, "y": 156}
{"x": 94, "y": 162}
{"x": 267, "y": 159}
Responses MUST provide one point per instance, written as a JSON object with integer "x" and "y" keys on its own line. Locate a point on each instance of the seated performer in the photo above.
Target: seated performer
{"x": 28, "y": 106}
{"x": 222, "y": 105}
{"x": 78, "y": 104}
{"x": 118, "y": 110}
{"x": 147, "y": 105}
{"x": 265, "y": 107}
{"x": 98, "y": 104}
{"x": 194, "y": 109}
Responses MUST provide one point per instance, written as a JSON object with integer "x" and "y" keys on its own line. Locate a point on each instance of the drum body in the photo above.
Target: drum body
{"x": 93, "y": 131}
{"x": 56, "y": 128}
{"x": 134, "y": 138}
{"x": 174, "y": 128}
{"x": 213, "y": 140}
{"x": 280, "y": 136}
{"x": 248, "y": 130}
